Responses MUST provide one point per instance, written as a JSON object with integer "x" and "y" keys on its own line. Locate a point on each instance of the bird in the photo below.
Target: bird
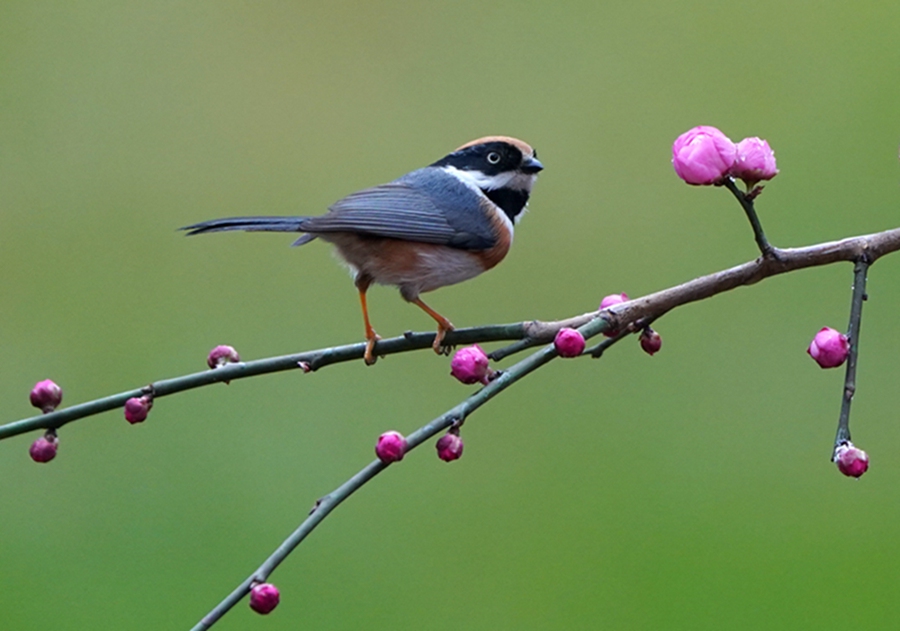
{"x": 435, "y": 226}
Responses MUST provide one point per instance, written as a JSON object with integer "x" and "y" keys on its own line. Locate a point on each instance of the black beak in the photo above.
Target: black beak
{"x": 531, "y": 165}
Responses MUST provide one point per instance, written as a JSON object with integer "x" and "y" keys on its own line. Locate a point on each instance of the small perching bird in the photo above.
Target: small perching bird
{"x": 436, "y": 226}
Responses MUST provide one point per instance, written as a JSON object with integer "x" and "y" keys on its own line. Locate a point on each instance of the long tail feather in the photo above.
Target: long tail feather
{"x": 248, "y": 224}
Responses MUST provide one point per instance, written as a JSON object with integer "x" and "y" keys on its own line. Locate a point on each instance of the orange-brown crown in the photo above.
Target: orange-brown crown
{"x": 524, "y": 147}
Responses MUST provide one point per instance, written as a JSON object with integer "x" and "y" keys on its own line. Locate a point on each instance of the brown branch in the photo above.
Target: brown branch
{"x": 871, "y": 246}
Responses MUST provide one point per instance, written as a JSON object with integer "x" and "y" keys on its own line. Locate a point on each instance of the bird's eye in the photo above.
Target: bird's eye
{"x": 493, "y": 157}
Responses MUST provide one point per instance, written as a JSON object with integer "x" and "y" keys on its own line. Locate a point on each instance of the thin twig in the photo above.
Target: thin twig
{"x": 516, "y": 347}
{"x": 872, "y": 246}
{"x": 309, "y": 360}
{"x": 746, "y": 201}
{"x": 856, "y": 303}
{"x": 597, "y": 351}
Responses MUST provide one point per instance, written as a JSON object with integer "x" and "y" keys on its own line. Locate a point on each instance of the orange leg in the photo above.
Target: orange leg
{"x": 362, "y": 284}
{"x": 443, "y": 323}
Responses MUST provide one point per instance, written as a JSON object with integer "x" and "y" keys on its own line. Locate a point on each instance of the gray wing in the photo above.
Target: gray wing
{"x": 428, "y": 205}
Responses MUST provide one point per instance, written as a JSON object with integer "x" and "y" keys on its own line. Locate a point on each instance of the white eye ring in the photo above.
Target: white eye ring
{"x": 493, "y": 157}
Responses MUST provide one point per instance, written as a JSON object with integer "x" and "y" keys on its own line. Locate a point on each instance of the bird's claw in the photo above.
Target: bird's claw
{"x": 439, "y": 347}
{"x": 369, "y": 356}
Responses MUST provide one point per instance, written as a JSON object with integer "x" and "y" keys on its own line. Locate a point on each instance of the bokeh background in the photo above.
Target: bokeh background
{"x": 691, "y": 490}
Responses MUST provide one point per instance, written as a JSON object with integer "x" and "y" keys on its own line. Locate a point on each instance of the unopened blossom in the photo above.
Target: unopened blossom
{"x": 391, "y": 447}
{"x": 44, "y": 448}
{"x": 609, "y": 301}
{"x": 829, "y": 348}
{"x": 851, "y": 461}
{"x": 449, "y": 447}
{"x": 755, "y": 161}
{"x": 137, "y": 409}
{"x": 46, "y": 395}
{"x": 264, "y": 597}
{"x": 221, "y": 355}
{"x": 471, "y": 365}
{"x": 650, "y": 341}
{"x": 613, "y": 299}
{"x": 703, "y": 155}
{"x": 569, "y": 342}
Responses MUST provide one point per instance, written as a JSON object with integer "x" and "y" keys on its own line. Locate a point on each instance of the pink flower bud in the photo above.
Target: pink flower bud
{"x": 613, "y": 299}
{"x": 851, "y": 461}
{"x": 44, "y": 448}
{"x": 609, "y": 301}
{"x": 829, "y": 348}
{"x": 449, "y": 447}
{"x": 703, "y": 155}
{"x": 471, "y": 365}
{"x": 650, "y": 340}
{"x": 569, "y": 343}
{"x": 221, "y": 355}
{"x": 46, "y": 395}
{"x": 390, "y": 447}
{"x": 264, "y": 598}
{"x": 755, "y": 161}
{"x": 137, "y": 409}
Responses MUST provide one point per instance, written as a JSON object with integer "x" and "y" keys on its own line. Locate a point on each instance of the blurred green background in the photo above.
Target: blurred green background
{"x": 691, "y": 490}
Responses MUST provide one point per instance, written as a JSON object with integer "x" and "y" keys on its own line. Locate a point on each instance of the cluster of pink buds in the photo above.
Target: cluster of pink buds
{"x": 46, "y": 396}
{"x": 392, "y": 446}
{"x": 830, "y": 348}
{"x": 471, "y": 365}
{"x": 704, "y": 155}
{"x": 649, "y": 340}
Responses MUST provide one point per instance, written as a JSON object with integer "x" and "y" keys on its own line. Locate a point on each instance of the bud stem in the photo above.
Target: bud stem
{"x": 746, "y": 201}
{"x": 860, "y": 269}
{"x": 596, "y": 351}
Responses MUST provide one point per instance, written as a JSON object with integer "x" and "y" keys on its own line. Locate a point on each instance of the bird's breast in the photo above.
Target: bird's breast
{"x": 413, "y": 267}
{"x": 502, "y": 229}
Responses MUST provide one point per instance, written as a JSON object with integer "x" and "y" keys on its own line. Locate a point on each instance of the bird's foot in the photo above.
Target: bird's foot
{"x": 369, "y": 356}
{"x": 439, "y": 347}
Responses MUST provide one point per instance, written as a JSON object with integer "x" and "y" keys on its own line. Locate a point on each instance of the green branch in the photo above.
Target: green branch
{"x": 331, "y": 501}
{"x": 310, "y": 360}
